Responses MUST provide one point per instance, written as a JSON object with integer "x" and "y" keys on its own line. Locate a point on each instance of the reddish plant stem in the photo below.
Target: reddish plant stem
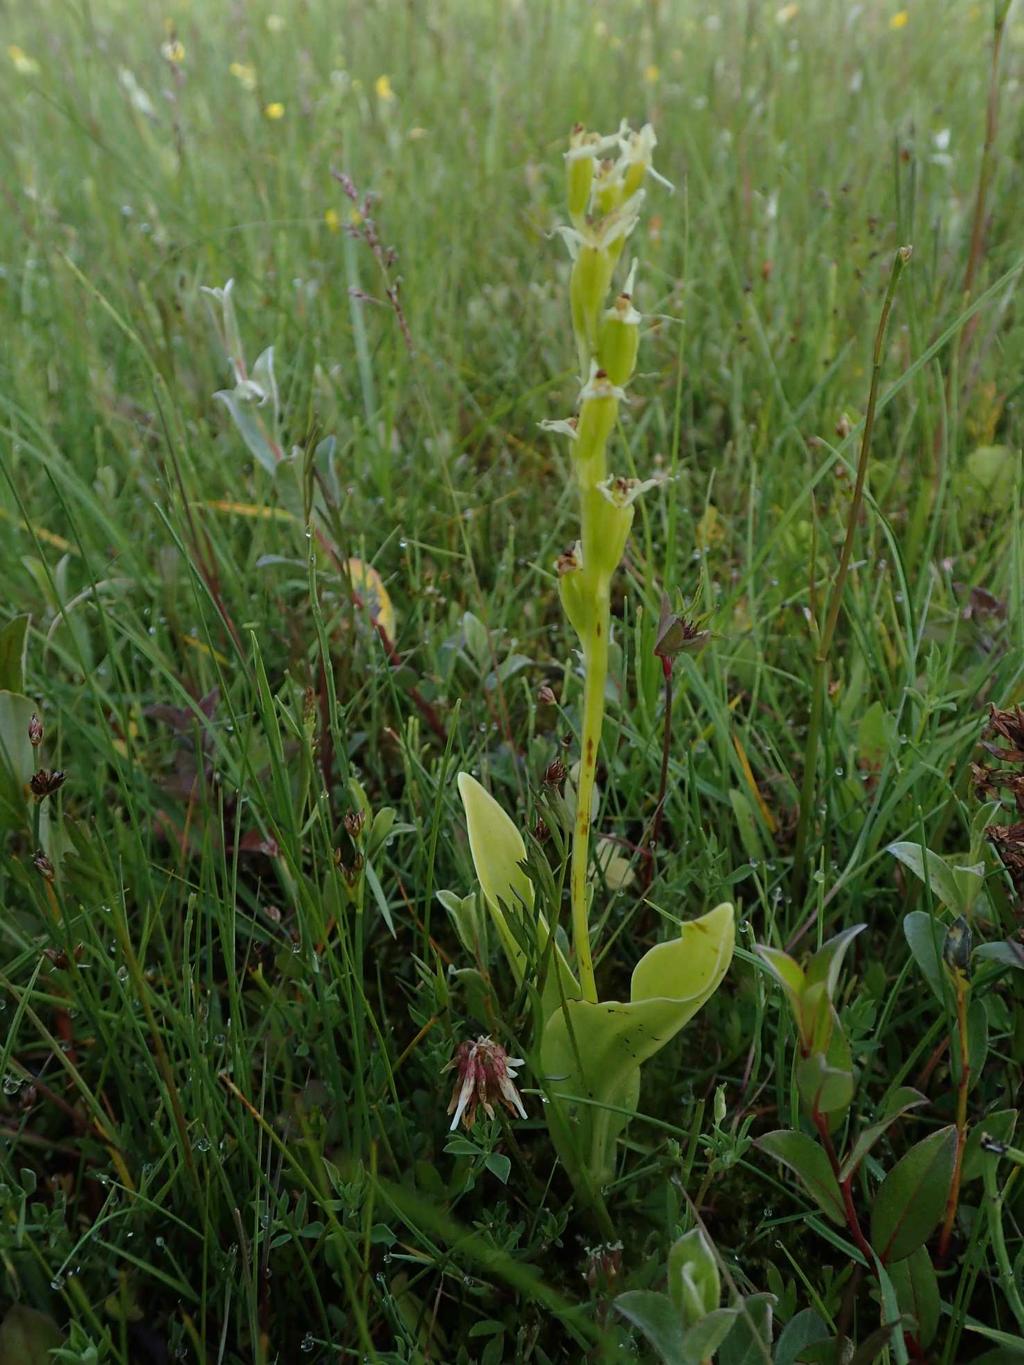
{"x": 846, "y": 1190}
{"x": 961, "y": 1121}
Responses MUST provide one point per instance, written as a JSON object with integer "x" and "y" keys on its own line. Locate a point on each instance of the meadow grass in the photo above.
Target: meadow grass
{"x": 223, "y": 1133}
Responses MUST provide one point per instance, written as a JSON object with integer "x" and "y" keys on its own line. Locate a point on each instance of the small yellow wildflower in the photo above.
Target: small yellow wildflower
{"x": 244, "y": 74}
{"x": 23, "y": 63}
{"x": 651, "y": 74}
{"x": 786, "y": 13}
{"x": 899, "y": 20}
{"x": 174, "y": 51}
{"x": 416, "y": 134}
{"x": 382, "y": 85}
{"x": 332, "y": 220}
{"x": 275, "y": 23}
{"x": 274, "y": 110}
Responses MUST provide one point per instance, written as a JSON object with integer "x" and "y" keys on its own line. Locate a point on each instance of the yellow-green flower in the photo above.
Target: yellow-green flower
{"x": 274, "y": 110}
{"x": 244, "y": 74}
{"x": 23, "y": 63}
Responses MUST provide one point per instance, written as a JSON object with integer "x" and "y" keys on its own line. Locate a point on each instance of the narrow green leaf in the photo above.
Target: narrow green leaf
{"x": 932, "y": 870}
{"x": 826, "y": 963}
{"x": 917, "y": 1292}
{"x": 13, "y": 646}
{"x": 912, "y": 1197}
{"x": 924, "y": 935}
{"x": 807, "y": 1160}
{"x": 902, "y": 1100}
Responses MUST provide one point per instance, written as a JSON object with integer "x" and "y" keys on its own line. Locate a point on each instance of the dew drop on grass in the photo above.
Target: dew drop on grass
{"x": 818, "y": 877}
{"x": 307, "y": 1343}
{"x": 839, "y": 772}
{"x": 11, "y": 1085}
{"x": 202, "y": 1144}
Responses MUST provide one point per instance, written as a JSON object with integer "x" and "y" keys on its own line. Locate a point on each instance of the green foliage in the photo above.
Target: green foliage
{"x": 912, "y": 1197}
{"x": 225, "y": 1006}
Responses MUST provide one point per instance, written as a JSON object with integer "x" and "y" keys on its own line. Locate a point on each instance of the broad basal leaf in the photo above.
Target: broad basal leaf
{"x": 498, "y": 853}
{"x": 593, "y": 1051}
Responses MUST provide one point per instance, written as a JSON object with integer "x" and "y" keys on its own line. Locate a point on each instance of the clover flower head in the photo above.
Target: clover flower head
{"x": 484, "y": 1076}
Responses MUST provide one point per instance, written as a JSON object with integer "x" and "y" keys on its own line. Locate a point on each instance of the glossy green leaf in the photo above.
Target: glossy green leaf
{"x": 498, "y": 854}
{"x": 27, "y": 1337}
{"x": 807, "y": 1160}
{"x": 594, "y": 1051}
{"x": 912, "y": 1198}
{"x": 900, "y": 1102}
{"x": 917, "y": 1292}
{"x": 787, "y": 972}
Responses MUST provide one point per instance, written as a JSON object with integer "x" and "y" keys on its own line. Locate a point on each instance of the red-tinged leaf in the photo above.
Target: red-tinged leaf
{"x": 809, "y": 1163}
{"x": 912, "y": 1197}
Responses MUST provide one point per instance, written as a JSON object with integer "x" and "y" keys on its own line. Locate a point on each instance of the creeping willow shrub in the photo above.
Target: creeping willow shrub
{"x": 591, "y": 1050}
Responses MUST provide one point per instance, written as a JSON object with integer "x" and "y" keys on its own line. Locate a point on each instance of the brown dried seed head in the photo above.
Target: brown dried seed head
{"x": 45, "y": 782}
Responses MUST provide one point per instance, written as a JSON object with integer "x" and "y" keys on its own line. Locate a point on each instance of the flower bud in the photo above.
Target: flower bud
{"x": 579, "y": 173}
{"x": 618, "y": 340}
{"x": 591, "y": 276}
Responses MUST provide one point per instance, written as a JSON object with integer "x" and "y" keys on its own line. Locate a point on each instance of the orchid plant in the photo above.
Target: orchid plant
{"x": 591, "y": 1050}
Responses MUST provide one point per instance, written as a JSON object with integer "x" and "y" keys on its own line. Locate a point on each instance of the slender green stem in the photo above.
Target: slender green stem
{"x": 595, "y": 662}
{"x": 821, "y": 657}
